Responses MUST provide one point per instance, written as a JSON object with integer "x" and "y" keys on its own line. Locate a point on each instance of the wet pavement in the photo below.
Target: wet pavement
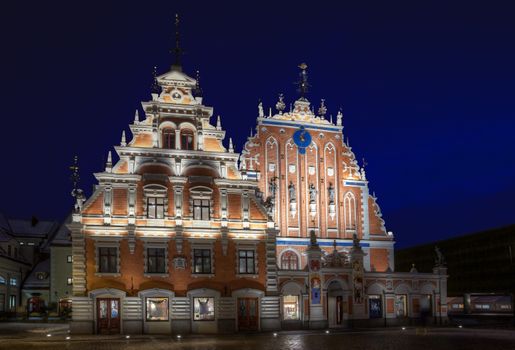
{"x": 35, "y": 336}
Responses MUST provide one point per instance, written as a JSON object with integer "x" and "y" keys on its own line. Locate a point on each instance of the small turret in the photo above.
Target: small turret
{"x": 123, "y": 141}
{"x": 109, "y": 163}
{"x": 231, "y": 147}
{"x": 136, "y": 117}
{"x": 218, "y": 123}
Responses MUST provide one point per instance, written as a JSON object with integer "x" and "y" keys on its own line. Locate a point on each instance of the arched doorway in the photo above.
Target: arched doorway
{"x": 337, "y": 304}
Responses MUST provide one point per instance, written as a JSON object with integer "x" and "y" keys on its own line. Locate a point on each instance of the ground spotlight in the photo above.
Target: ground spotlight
{"x": 403, "y": 328}
{"x": 179, "y": 336}
{"x": 68, "y": 338}
{"x": 127, "y": 337}
{"x": 275, "y": 334}
{"x": 49, "y": 335}
{"x": 327, "y": 332}
{"x": 460, "y": 326}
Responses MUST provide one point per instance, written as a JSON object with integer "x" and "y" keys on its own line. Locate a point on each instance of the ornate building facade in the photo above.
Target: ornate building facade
{"x": 184, "y": 235}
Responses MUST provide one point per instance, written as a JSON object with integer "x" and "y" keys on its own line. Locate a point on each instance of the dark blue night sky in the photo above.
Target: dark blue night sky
{"x": 427, "y": 87}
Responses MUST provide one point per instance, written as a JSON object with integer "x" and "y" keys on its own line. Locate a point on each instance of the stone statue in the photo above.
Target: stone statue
{"x": 272, "y": 187}
{"x": 260, "y": 109}
{"x": 330, "y": 189}
{"x": 270, "y": 206}
{"x": 292, "y": 193}
{"x": 440, "y": 259}
{"x": 80, "y": 198}
{"x": 312, "y": 194}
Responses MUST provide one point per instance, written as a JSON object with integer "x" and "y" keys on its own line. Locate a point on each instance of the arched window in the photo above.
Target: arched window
{"x": 349, "y": 207}
{"x": 289, "y": 261}
{"x": 168, "y": 138}
{"x": 187, "y": 139}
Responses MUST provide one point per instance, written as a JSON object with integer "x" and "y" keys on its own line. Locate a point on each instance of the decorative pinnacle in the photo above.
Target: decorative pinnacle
{"x": 123, "y": 142}
{"x": 177, "y": 51}
{"x": 231, "y": 147}
{"x": 109, "y": 163}
{"x": 303, "y": 84}
{"x": 218, "y": 123}
{"x": 156, "y": 89}
{"x": 75, "y": 172}
{"x": 339, "y": 118}
{"x": 136, "y": 117}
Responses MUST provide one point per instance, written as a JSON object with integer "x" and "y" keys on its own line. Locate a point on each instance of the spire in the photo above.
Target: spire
{"x": 331, "y": 118}
{"x": 155, "y": 88}
{"x": 123, "y": 142}
{"x": 251, "y": 133}
{"x": 363, "y": 174}
{"x": 177, "y": 51}
{"x": 218, "y": 123}
{"x": 75, "y": 173}
{"x": 303, "y": 84}
{"x": 136, "y": 117}
{"x": 109, "y": 163}
{"x": 231, "y": 147}
{"x": 197, "y": 92}
{"x": 270, "y": 112}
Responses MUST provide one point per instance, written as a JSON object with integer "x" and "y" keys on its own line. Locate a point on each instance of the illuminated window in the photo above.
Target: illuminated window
{"x": 203, "y": 309}
{"x": 69, "y": 259}
{"x": 157, "y": 309}
{"x": 12, "y": 302}
{"x": 186, "y": 139}
{"x": 69, "y": 281}
{"x": 2, "y": 280}
{"x": 156, "y": 260}
{"x": 201, "y": 260}
{"x": 290, "y": 307}
{"x": 201, "y": 209}
{"x": 289, "y": 261}
{"x": 375, "y": 306}
{"x": 168, "y": 138}
{"x": 108, "y": 260}
{"x": 246, "y": 261}
{"x": 401, "y": 305}
{"x": 155, "y": 207}
{"x": 13, "y": 281}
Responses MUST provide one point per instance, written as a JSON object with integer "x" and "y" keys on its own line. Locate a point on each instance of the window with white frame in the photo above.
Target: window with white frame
{"x": 156, "y": 260}
{"x": 156, "y": 309}
{"x": 203, "y": 309}
{"x": 201, "y": 209}
{"x": 155, "y": 207}
{"x": 246, "y": 261}
{"x": 155, "y": 201}
{"x": 13, "y": 281}
{"x": 289, "y": 260}
{"x": 12, "y": 302}
{"x": 2, "y": 280}
{"x": 202, "y": 260}
{"x": 108, "y": 259}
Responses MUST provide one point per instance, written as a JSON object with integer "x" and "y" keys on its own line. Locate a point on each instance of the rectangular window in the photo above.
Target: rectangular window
{"x": 246, "y": 261}
{"x": 291, "y": 307}
{"x": 401, "y": 305}
{"x": 201, "y": 209}
{"x": 12, "y": 302}
{"x": 155, "y": 207}
{"x": 108, "y": 260}
{"x": 69, "y": 281}
{"x": 375, "y": 306}
{"x": 69, "y": 259}
{"x": 201, "y": 260}
{"x": 157, "y": 309}
{"x": 203, "y": 309}
{"x": 156, "y": 260}
{"x": 13, "y": 281}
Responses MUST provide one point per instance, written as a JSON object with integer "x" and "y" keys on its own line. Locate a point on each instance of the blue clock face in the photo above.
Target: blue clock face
{"x": 302, "y": 139}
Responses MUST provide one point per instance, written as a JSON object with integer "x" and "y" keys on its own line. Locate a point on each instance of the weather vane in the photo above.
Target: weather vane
{"x": 303, "y": 84}
{"x": 155, "y": 86}
{"x": 75, "y": 172}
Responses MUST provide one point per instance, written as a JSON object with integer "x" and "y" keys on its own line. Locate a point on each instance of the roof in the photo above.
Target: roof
{"x": 63, "y": 237}
{"x": 32, "y": 228}
{"x": 5, "y": 237}
{"x": 32, "y": 281}
{"x": 4, "y": 223}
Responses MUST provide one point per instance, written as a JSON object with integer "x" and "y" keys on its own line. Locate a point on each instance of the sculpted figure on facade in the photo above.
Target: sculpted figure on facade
{"x": 292, "y": 193}
{"x": 312, "y": 193}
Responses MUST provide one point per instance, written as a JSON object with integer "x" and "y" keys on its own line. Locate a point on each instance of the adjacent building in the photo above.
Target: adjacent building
{"x": 183, "y": 234}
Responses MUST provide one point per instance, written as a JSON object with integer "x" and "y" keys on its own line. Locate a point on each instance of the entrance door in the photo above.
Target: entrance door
{"x": 248, "y": 314}
{"x": 108, "y": 315}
